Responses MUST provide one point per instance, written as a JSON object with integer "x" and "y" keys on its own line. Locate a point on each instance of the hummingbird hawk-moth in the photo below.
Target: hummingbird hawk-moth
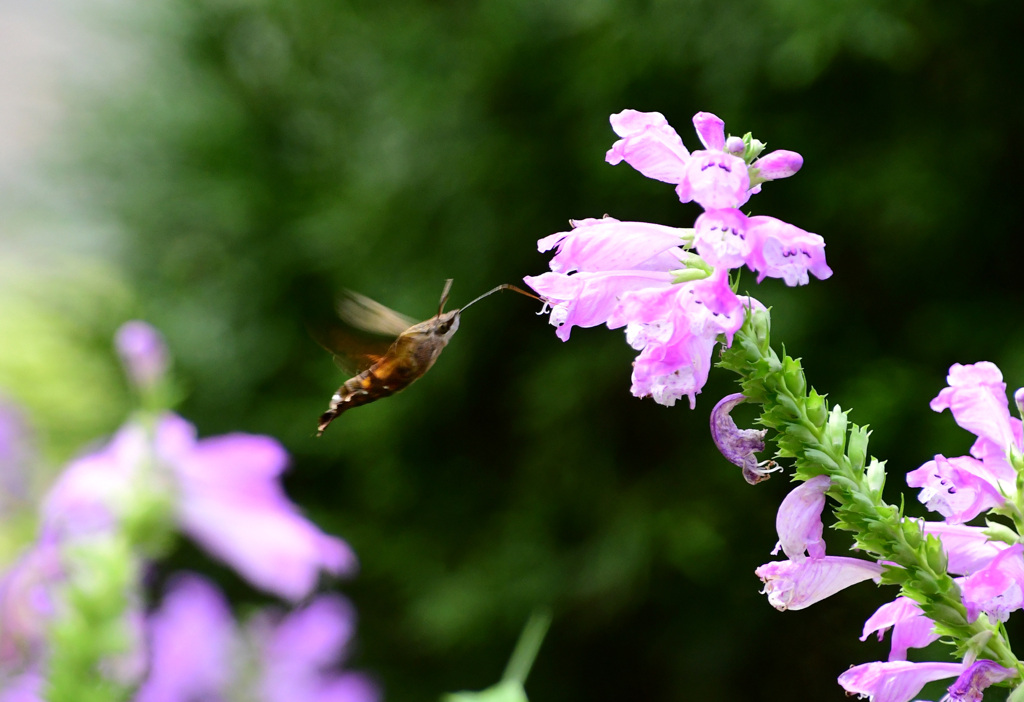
{"x": 410, "y": 355}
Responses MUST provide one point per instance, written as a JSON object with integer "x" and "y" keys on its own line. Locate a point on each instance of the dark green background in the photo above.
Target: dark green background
{"x": 267, "y": 154}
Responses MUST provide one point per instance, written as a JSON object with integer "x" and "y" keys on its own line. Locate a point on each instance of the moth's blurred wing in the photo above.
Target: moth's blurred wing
{"x": 362, "y": 334}
{"x": 370, "y": 316}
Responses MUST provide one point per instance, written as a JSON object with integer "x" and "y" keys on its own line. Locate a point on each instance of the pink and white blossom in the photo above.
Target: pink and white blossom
{"x": 957, "y": 488}
{"x": 606, "y": 244}
{"x": 798, "y": 521}
{"x": 782, "y": 250}
{"x": 998, "y": 588}
{"x": 894, "y": 681}
{"x": 910, "y": 627}
{"x": 649, "y": 145}
{"x": 799, "y": 584}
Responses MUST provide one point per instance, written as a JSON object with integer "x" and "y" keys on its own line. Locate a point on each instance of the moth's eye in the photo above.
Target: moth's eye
{"x": 442, "y": 329}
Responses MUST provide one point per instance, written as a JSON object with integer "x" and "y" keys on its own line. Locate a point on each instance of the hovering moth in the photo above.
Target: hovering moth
{"x": 410, "y": 355}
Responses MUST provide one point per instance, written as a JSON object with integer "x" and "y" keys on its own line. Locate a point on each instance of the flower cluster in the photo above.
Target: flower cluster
{"x": 71, "y": 607}
{"x": 987, "y": 562}
{"x": 669, "y": 287}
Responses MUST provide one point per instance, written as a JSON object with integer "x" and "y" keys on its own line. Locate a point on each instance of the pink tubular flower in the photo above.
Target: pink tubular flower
{"x": 976, "y": 396}
{"x": 714, "y": 179}
{"x": 675, "y": 330}
{"x": 738, "y": 445}
{"x": 799, "y": 584}
{"x": 798, "y": 522}
{"x": 998, "y": 588}
{"x": 607, "y": 244}
{"x": 957, "y": 488}
{"x": 648, "y": 144}
{"x": 910, "y": 627}
{"x": 226, "y": 494}
{"x": 782, "y": 250}
{"x": 720, "y": 237}
{"x": 894, "y": 681}
{"x": 588, "y": 299}
{"x": 968, "y": 548}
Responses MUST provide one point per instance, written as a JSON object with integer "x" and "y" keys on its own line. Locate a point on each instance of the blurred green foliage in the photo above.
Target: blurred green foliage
{"x": 259, "y": 156}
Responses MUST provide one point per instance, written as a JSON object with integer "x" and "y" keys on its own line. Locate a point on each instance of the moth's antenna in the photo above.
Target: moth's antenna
{"x": 444, "y": 296}
{"x": 503, "y": 286}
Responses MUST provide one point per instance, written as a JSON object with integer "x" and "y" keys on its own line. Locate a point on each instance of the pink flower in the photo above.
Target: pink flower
{"x": 675, "y": 330}
{"x": 720, "y": 237}
{"x": 799, "y": 584}
{"x": 714, "y": 179}
{"x": 226, "y": 494}
{"x": 976, "y": 396}
{"x": 588, "y": 299}
{"x": 607, "y": 244}
{"x": 648, "y": 144}
{"x": 957, "y": 488}
{"x": 967, "y": 548}
{"x": 894, "y": 681}
{"x": 910, "y": 627}
{"x": 998, "y": 588}
{"x": 782, "y": 250}
{"x": 191, "y": 644}
{"x": 798, "y": 522}
{"x": 199, "y": 653}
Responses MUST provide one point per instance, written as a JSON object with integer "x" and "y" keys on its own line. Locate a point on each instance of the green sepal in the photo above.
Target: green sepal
{"x": 875, "y": 476}
{"x": 997, "y": 531}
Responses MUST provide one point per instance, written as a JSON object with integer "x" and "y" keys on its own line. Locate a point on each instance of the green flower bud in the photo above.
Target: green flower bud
{"x": 857, "y": 446}
{"x": 815, "y": 408}
{"x": 912, "y": 532}
{"x": 793, "y": 376}
{"x": 996, "y": 531}
{"x": 935, "y": 555}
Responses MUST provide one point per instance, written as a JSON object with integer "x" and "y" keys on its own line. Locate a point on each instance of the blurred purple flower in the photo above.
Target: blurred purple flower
{"x": 16, "y": 456}
{"x": 26, "y": 606}
{"x": 198, "y": 653}
{"x": 143, "y": 352}
{"x": 226, "y": 494}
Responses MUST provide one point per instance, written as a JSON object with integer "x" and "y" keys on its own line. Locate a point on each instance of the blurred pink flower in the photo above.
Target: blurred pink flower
{"x": 198, "y": 652}
{"x": 226, "y": 494}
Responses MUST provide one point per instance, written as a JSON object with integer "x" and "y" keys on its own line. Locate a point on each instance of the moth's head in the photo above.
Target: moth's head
{"x": 446, "y": 324}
